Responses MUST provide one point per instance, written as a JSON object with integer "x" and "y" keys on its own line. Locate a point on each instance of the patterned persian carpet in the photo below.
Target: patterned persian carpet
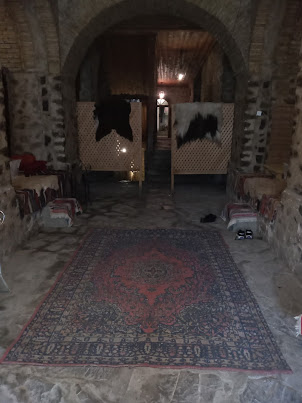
{"x": 162, "y": 298}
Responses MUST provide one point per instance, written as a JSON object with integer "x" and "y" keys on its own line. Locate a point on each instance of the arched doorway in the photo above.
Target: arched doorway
{"x": 205, "y": 17}
{"x": 162, "y": 116}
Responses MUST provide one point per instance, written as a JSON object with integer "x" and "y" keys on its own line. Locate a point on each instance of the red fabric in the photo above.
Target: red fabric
{"x": 26, "y": 159}
{"x": 29, "y": 165}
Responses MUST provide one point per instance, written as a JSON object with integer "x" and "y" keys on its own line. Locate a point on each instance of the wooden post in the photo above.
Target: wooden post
{"x": 141, "y": 173}
{"x": 172, "y": 148}
{"x": 152, "y": 85}
{"x": 151, "y": 111}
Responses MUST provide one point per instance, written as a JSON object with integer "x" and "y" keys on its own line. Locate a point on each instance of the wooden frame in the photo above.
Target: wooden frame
{"x": 112, "y": 152}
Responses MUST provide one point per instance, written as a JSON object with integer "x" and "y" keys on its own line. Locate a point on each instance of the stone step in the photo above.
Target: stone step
{"x": 163, "y": 143}
{"x": 158, "y": 178}
{"x": 160, "y": 163}
{"x": 160, "y": 166}
{"x": 157, "y": 172}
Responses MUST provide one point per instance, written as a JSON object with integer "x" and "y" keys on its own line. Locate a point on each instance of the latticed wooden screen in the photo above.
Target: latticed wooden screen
{"x": 204, "y": 156}
{"x": 112, "y": 152}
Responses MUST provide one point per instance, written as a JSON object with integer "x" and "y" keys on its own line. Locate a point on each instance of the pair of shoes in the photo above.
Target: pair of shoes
{"x": 209, "y": 218}
{"x": 248, "y": 234}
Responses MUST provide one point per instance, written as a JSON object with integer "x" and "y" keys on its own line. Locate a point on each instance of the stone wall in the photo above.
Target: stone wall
{"x": 256, "y": 126}
{"x": 70, "y": 121}
{"x": 37, "y": 116}
{"x": 273, "y": 68}
{"x": 4, "y": 171}
{"x": 286, "y": 236}
{"x": 295, "y": 166}
{"x": 268, "y": 22}
{"x": 7, "y": 194}
{"x": 284, "y": 85}
{"x": 14, "y": 230}
{"x": 29, "y": 51}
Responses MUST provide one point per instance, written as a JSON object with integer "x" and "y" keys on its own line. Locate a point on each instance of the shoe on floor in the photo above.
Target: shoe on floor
{"x": 209, "y": 218}
{"x": 240, "y": 235}
{"x": 248, "y": 234}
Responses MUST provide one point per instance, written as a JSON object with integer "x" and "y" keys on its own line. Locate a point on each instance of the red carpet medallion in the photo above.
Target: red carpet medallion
{"x": 160, "y": 298}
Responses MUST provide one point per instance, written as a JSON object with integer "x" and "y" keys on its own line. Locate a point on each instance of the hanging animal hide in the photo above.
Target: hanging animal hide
{"x": 198, "y": 120}
{"x": 113, "y": 114}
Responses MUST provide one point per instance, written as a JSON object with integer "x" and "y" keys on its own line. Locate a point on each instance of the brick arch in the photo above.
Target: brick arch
{"x": 10, "y": 54}
{"x": 51, "y": 40}
{"x": 35, "y": 36}
{"x": 84, "y": 20}
{"x": 16, "y": 9}
{"x": 78, "y": 32}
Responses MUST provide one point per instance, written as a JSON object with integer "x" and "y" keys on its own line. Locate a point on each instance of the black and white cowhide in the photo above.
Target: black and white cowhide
{"x": 113, "y": 114}
{"x": 196, "y": 121}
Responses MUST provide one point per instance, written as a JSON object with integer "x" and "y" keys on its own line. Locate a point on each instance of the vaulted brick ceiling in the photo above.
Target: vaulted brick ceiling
{"x": 181, "y": 47}
{"x": 181, "y": 51}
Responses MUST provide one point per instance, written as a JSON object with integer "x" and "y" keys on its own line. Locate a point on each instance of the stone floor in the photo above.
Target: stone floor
{"x": 33, "y": 268}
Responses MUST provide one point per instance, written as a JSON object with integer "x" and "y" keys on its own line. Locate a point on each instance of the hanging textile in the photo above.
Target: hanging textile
{"x": 113, "y": 114}
{"x": 196, "y": 121}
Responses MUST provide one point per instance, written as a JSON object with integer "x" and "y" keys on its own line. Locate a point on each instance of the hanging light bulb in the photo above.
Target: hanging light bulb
{"x": 161, "y": 95}
{"x": 180, "y": 76}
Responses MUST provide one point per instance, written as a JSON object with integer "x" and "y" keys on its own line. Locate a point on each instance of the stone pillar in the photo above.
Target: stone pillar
{"x": 295, "y": 166}
{"x": 70, "y": 119}
{"x": 25, "y": 112}
{"x": 238, "y": 140}
{"x": 37, "y": 116}
{"x": 266, "y": 30}
{"x": 55, "y": 124}
{"x": 152, "y": 96}
{"x": 286, "y": 236}
{"x": 11, "y": 232}
{"x": 256, "y": 123}
{"x": 4, "y": 171}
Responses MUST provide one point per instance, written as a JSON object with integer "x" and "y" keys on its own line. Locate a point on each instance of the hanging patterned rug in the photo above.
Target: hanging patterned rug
{"x": 160, "y": 298}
